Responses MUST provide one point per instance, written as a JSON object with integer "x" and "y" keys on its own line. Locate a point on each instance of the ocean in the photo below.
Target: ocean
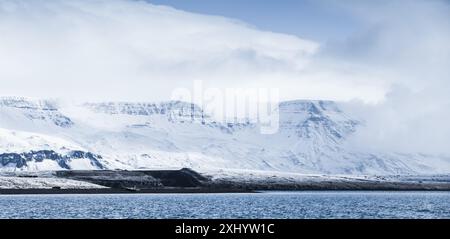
{"x": 304, "y": 204}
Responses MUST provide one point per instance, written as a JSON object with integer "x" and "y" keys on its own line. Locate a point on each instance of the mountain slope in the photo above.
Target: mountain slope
{"x": 312, "y": 138}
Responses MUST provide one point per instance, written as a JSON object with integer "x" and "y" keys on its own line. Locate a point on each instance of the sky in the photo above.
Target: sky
{"x": 137, "y": 50}
{"x": 388, "y": 59}
{"x": 303, "y": 18}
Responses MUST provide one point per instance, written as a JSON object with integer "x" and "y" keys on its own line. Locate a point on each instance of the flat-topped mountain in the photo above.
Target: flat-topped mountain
{"x": 313, "y": 137}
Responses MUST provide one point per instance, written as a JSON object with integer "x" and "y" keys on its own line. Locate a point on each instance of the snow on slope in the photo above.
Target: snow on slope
{"x": 30, "y": 143}
{"x": 12, "y": 182}
{"x": 311, "y": 139}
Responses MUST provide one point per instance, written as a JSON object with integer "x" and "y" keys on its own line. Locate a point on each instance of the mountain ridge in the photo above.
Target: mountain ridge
{"x": 312, "y": 138}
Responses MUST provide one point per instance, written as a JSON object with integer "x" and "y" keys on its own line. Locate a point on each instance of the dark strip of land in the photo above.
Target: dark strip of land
{"x": 189, "y": 181}
{"x": 116, "y": 191}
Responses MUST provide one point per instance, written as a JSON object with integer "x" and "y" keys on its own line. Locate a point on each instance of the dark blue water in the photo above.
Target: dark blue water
{"x": 258, "y": 205}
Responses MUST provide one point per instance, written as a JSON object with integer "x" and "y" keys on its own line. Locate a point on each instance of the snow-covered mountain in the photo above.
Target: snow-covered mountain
{"x": 312, "y": 138}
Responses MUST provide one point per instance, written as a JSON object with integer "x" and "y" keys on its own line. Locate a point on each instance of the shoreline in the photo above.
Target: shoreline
{"x": 189, "y": 181}
{"x": 49, "y": 191}
{"x": 116, "y": 191}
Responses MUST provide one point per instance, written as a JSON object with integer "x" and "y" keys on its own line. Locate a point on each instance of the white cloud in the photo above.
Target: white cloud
{"x": 132, "y": 50}
{"x": 408, "y": 42}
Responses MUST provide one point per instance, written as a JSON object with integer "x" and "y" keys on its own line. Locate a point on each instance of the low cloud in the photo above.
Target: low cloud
{"x": 134, "y": 50}
{"x": 406, "y": 42}
{"x": 394, "y": 70}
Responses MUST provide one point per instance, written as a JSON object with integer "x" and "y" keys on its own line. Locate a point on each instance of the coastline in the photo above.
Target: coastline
{"x": 50, "y": 191}
{"x": 189, "y": 181}
{"x": 31, "y": 191}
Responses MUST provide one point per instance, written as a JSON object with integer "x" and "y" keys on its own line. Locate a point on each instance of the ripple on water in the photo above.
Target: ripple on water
{"x": 259, "y": 205}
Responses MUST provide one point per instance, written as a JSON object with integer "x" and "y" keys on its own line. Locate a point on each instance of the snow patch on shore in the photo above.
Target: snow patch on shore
{"x": 7, "y": 182}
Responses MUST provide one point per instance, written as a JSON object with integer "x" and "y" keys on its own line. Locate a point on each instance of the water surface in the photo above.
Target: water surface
{"x": 234, "y": 205}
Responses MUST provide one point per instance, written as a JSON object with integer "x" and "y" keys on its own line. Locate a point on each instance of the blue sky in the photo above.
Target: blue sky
{"x": 314, "y": 20}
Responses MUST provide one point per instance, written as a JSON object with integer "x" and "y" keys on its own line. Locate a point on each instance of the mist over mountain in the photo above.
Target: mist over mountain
{"x": 313, "y": 137}
{"x": 391, "y": 69}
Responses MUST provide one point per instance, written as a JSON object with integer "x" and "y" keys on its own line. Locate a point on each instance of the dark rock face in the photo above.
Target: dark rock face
{"x": 178, "y": 178}
{"x": 114, "y": 179}
{"x": 142, "y": 179}
{"x": 20, "y": 159}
